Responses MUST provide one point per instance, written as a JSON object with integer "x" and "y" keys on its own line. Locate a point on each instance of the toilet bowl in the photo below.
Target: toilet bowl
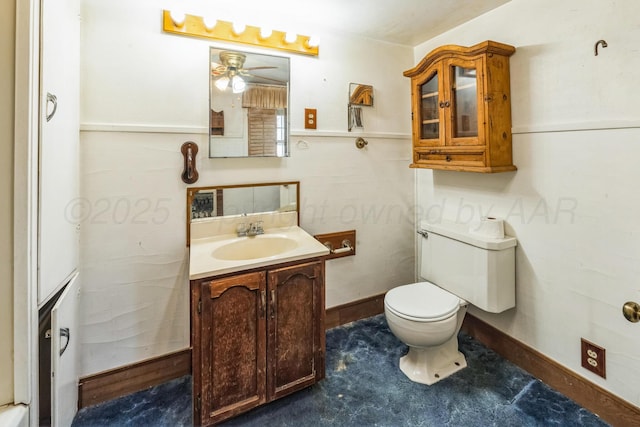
{"x": 427, "y": 319}
{"x": 457, "y": 268}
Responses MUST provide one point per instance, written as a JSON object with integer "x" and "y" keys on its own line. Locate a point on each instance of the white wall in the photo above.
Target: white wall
{"x": 7, "y": 64}
{"x": 144, "y": 93}
{"x": 573, "y": 203}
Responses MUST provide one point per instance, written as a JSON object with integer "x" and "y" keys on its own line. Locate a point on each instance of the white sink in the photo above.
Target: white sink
{"x": 261, "y": 246}
{"x": 228, "y": 253}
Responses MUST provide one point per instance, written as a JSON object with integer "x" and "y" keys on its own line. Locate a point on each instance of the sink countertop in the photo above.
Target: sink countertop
{"x": 203, "y": 264}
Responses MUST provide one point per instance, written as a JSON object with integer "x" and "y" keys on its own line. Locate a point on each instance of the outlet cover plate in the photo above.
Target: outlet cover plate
{"x": 310, "y": 118}
{"x": 593, "y": 358}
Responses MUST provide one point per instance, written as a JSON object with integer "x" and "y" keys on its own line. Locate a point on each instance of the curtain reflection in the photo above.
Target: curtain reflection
{"x": 264, "y": 96}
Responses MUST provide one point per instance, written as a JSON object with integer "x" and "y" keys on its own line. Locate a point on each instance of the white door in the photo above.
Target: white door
{"x": 59, "y": 142}
{"x": 64, "y": 355}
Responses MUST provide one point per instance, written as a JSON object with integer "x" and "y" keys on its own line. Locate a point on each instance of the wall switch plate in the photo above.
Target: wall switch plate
{"x": 310, "y": 118}
{"x": 593, "y": 358}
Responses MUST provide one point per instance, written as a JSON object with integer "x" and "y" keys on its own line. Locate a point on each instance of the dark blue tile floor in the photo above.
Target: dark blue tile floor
{"x": 365, "y": 387}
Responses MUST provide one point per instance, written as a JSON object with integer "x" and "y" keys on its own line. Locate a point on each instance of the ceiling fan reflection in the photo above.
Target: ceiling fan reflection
{"x": 230, "y": 72}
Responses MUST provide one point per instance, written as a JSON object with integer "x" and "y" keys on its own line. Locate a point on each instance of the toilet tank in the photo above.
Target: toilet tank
{"x": 479, "y": 269}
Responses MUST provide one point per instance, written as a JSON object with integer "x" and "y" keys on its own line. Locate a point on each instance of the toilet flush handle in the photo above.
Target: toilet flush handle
{"x": 423, "y": 233}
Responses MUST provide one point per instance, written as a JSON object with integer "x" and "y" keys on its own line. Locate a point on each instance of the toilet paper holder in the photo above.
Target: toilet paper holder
{"x": 340, "y": 244}
{"x": 346, "y": 247}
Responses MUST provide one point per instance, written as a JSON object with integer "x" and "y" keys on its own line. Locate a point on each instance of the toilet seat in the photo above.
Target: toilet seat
{"x": 422, "y": 302}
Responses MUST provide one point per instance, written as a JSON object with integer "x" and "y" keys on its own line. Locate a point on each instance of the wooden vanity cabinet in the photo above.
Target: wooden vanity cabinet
{"x": 256, "y": 337}
{"x": 461, "y": 109}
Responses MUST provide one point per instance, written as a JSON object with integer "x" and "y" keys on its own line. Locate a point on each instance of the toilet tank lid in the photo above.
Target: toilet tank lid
{"x": 460, "y": 232}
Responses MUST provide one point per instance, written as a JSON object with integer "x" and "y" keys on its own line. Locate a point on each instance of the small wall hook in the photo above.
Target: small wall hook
{"x": 361, "y": 142}
{"x": 599, "y": 42}
{"x": 189, "y": 150}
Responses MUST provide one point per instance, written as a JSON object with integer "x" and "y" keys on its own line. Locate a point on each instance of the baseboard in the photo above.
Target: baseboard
{"x": 128, "y": 379}
{"x": 606, "y": 405}
{"x": 336, "y": 316}
{"x": 107, "y": 385}
{"x": 139, "y": 376}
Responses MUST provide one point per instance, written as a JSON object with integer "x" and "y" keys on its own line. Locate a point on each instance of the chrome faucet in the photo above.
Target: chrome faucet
{"x": 253, "y": 229}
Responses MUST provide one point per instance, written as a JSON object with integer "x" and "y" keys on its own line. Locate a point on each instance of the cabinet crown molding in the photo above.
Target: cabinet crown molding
{"x": 486, "y": 47}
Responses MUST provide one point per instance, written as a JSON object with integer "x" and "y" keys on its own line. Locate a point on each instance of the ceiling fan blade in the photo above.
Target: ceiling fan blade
{"x": 259, "y": 68}
{"x": 264, "y": 78}
{"x": 218, "y": 70}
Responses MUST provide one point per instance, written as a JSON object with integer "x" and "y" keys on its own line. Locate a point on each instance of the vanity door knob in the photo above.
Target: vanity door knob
{"x": 263, "y": 303}
{"x": 272, "y": 304}
{"x": 448, "y": 158}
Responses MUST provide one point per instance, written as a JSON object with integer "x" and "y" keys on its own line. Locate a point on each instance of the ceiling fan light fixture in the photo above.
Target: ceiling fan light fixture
{"x": 222, "y": 83}
{"x": 237, "y": 84}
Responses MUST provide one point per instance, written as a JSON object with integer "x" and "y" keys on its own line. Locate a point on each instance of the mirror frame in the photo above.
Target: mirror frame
{"x": 360, "y": 94}
{"x": 191, "y": 191}
{"x": 240, "y": 121}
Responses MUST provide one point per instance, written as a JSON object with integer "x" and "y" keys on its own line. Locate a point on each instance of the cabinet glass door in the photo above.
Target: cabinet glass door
{"x": 429, "y": 112}
{"x": 464, "y": 90}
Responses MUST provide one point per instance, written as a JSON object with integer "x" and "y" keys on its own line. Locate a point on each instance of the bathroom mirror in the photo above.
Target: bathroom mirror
{"x": 248, "y": 104}
{"x": 360, "y": 94}
{"x": 226, "y": 200}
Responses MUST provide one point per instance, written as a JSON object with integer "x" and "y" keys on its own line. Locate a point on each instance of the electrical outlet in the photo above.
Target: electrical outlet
{"x": 593, "y": 358}
{"x": 310, "y": 118}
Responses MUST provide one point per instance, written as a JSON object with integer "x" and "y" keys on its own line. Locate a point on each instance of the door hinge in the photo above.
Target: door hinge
{"x": 198, "y": 403}
{"x": 199, "y": 306}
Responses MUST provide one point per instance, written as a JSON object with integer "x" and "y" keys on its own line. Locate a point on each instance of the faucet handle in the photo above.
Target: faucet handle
{"x": 241, "y": 229}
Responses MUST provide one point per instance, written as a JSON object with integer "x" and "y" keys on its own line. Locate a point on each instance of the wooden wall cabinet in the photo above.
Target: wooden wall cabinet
{"x": 461, "y": 109}
{"x": 256, "y": 336}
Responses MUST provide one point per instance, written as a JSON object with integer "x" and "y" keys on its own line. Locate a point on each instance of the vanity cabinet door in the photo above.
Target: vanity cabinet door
{"x": 296, "y": 341}
{"x": 231, "y": 374}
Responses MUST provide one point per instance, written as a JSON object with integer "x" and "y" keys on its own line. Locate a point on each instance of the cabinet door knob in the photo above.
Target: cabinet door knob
{"x": 441, "y": 104}
{"x": 272, "y": 304}
{"x": 448, "y": 158}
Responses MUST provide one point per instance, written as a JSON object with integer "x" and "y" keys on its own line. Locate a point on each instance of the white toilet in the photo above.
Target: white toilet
{"x": 458, "y": 268}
